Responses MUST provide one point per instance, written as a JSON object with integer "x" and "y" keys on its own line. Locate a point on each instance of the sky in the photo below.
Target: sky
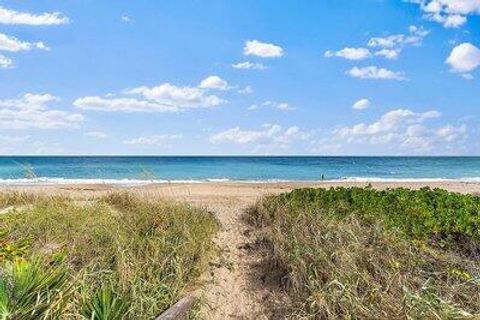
{"x": 231, "y": 77}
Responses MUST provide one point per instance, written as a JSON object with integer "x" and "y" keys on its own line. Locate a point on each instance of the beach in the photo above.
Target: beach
{"x": 209, "y": 192}
{"x": 234, "y": 284}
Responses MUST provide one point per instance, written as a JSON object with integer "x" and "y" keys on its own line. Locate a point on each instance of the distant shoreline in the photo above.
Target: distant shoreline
{"x": 46, "y": 181}
{"x": 211, "y": 191}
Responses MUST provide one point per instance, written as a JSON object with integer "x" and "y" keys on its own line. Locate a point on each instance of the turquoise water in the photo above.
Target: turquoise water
{"x": 25, "y": 170}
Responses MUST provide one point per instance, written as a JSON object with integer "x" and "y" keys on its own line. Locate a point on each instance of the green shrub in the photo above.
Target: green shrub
{"x": 366, "y": 254}
{"x": 448, "y": 219}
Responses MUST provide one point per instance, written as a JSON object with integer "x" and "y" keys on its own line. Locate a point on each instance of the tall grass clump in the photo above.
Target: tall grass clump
{"x": 125, "y": 256}
{"x": 360, "y": 253}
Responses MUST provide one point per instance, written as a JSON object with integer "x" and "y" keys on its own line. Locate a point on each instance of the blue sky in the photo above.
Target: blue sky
{"x": 366, "y": 77}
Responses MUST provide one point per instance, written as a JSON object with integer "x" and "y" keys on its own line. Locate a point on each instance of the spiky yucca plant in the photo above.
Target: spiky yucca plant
{"x": 106, "y": 304}
{"x": 30, "y": 291}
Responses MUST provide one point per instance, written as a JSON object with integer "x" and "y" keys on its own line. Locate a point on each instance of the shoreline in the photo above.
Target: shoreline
{"x": 46, "y": 181}
{"x": 245, "y": 190}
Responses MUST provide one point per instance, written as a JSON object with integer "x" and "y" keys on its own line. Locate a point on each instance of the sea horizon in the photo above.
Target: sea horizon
{"x": 148, "y": 169}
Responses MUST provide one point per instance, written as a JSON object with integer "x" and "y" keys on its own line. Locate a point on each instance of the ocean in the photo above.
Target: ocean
{"x": 131, "y": 170}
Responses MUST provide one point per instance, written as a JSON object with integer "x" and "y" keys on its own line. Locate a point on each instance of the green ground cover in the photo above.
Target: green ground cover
{"x": 359, "y": 253}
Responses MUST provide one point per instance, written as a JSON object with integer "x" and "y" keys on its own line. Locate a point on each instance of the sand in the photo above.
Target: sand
{"x": 234, "y": 286}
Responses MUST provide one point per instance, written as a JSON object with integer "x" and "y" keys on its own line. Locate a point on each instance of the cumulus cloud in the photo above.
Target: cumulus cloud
{"x": 450, "y": 13}
{"x": 387, "y": 124}
{"x": 5, "y": 62}
{"x": 8, "y": 16}
{"x": 269, "y": 135}
{"x": 8, "y": 43}
{"x": 33, "y": 111}
{"x": 155, "y": 140}
{"x": 126, "y": 19}
{"x": 400, "y": 130}
{"x": 262, "y": 49}
{"x": 464, "y": 58}
{"x": 361, "y": 104}
{"x": 214, "y": 82}
{"x": 178, "y": 97}
{"x": 373, "y": 72}
{"x": 162, "y": 98}
{"x": 350, "y": 53}
{"x": 388, "y": 53}
{"x": 249, "y": 65}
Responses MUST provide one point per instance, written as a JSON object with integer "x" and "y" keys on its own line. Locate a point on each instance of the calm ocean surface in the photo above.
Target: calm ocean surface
{"x": 134, "y": 170}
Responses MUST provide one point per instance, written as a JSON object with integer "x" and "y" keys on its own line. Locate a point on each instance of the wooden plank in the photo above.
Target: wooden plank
{"x": 179, "y": 310}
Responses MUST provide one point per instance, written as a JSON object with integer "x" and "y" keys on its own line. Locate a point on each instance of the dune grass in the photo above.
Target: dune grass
{"x": 359, "y": 253}
{"x": 116, "y": 257}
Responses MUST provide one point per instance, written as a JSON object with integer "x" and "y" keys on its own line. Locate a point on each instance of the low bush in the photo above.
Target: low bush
{"x": 359, "y": 253}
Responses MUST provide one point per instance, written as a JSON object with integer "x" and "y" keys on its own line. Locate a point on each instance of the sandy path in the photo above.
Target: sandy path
{"x": 230, "y": 293}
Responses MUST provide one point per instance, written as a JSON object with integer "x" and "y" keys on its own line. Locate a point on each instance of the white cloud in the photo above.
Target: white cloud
{"x": 126, "y": 19}
{"x": 388, "y": 123}
{"x": 5, "y": 62}
{"x": 373, "y": 72}
{"x": 268, "y": 135}
{"x": 246, "y": 90}
{"x": 388, "y": 53}
{"x": 464, "y": 58}
{"x": 450, "y": 13}
{"x": 448, "y": 21}
{"x": 214, "y": 82}
{"x": 8, "y": 16}
{"x": 121, "y": 104}
{"x": 284, "y": 106}
{"x": 350, "y": 53}
{"x": 361, "y": 104}
{"x": 155, "y": 140}
{"x": 249, "y": 65}
{"x": 162, "y": 98}
{"x": 33, "y": 111}
{"x": 414, "y": 37}
{"x": 262, "y": 49}
{"x": 178, "y": 97}
{"x": 96, "y": 134}
{"x": 13, "y": 44}
{"x": 450, "y": 133}
{"x": 386, "y": 42}
{"x": 400, "y": 129}
{"x": 388, "y": 47}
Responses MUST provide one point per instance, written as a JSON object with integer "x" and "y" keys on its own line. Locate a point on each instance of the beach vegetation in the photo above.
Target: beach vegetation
{"x": 119, "y": 256}
{"x": 360, "y": 253}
